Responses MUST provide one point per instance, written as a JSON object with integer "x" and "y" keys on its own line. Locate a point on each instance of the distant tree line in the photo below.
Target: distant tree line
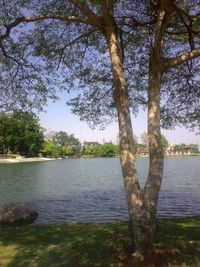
{"x": 100, "y": 150}
{"x": 21, "y": 133}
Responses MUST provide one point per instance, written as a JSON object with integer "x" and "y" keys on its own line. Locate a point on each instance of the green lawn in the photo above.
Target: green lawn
{"x": 93, "y": 245}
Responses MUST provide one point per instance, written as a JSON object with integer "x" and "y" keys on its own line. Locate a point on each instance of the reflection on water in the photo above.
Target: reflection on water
{"x": 91, "y": 190}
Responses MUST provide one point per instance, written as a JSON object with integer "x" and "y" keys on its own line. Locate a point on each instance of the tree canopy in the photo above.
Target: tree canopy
{"x": 61, "y": 144}
{"x": 58, "y": 31}
{"x": 20, "y": 133}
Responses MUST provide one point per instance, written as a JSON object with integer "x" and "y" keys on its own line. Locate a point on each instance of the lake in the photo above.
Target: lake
{"x": 91, "y": 190}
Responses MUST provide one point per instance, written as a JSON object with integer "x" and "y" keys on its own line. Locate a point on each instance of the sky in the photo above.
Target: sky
{"x": 58, "y": 117}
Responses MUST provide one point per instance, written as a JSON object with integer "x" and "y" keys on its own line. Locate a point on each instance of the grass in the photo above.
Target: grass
{"x": 95, "y": 245}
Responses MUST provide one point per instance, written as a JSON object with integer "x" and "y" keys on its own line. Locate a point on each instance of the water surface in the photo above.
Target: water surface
{"x": 91, "y": 190}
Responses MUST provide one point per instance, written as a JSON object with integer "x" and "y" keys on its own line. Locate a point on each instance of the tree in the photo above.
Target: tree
{"x": 194, "y": 149}
{"x": 21, "y": 133}
{"x": 164, "y": 142}
{"x": 100, "y": 150}
{"x": 91, "y": 149}
{"x": 160, "y": 61}
{"x": 135, "y": 146}
{"x": 61, "y": 145}
{"x": 65, "y": 140}
{"x": 107, "y": 150}
{"x": 144, "y": 138}
{"x": 49, "y": 149}
{"x": 151, "y": 28}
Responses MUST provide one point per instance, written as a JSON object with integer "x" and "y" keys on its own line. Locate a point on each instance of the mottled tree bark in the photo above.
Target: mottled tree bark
{"x": 141, "y": 211}
{"x": 141, "y": 203}
{"x": 145, "y": 218}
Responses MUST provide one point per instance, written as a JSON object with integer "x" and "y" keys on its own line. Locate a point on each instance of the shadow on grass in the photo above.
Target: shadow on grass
{"x": 181, "y": 238}
{"x": 61, "y": 245}
{"x": 81, "y": 245}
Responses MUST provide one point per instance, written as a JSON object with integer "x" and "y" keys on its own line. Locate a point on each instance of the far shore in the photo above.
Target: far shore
{"x": 18, "y": 160}
{"x": 36, "y": 159}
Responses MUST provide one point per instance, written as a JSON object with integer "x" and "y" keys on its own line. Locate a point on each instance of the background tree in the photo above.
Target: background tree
{"x": 135, "y": 144}
{"x": 108, "y": 150}
{"x": 65, "y": 140}
{"x": 61, "y": 145}
{"x": 90, "y": 149}
{"x": 20, "y": 133}
{"x": 164, "y": 142}
{"x": 100, "y": 150}
{"x": 144, "y": 139}
{"x": 194, "y": 148}
{"x": 51, "y": 149}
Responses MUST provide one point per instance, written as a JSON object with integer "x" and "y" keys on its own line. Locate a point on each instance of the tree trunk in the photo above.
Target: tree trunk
{"x": 142, "y": 219}
{"x": 156, "y": 156}
{"x": 120, "y": 96}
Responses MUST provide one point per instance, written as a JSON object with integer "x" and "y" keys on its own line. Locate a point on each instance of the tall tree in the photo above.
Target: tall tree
{"x": 95, "y": 30}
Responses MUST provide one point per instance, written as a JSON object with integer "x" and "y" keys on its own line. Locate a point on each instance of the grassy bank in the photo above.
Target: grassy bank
{"x": 90, "y": 245}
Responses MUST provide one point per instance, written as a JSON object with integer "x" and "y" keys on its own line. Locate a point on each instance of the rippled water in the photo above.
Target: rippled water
{"x": 91, "y": 190}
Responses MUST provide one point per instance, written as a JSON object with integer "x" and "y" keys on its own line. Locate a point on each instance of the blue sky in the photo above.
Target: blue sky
{"x": 58, "y": 117}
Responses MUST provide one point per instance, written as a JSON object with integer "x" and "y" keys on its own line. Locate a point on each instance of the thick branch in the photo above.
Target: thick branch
{"x": 135, "y": 22}
{"x": 173, "y": 62}
{"x": 194, "y": 32}
{"x": 20, "y": 20}
{"x": 86, "y": 11}
{"x": 162, "y": 22}
{"x": 188, "y": 27}
{"x": 187, "y": 14}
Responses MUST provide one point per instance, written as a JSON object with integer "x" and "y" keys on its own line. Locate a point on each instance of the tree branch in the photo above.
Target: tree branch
{"x": 73, "y": 42}
{"x": 173, "y": 62}
{"x": 162, "y": 22}
{"x": 86, "y": 11}
{"x": 188, "y": 26}
{"x": 182, "y": 32}
{"x": 134, "y": 21}
{"x": 20, "y": 20}
{"x": 6, "y": 55}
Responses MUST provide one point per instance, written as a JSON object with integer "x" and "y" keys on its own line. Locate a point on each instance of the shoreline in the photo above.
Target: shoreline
{"x": 21, "y": 160}
{"x": 42, "y": 159}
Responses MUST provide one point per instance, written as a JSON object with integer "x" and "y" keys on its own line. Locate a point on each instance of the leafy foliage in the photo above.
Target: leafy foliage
{"x": 164, "y": 142}
{"x": 50, "y": 149}
{"x": 100, "y": 150}
{"x": 51, "y": 54}
{"x": 61, "y": 144}
{"x": 20, "y": 133}
{"x": 65, "y": 140}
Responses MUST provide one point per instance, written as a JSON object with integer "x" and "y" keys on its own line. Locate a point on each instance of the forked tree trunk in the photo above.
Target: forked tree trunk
{"x": 141, "y": 203}
{"x": 141, "y": 213}
{"x": 145, "y": 217}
